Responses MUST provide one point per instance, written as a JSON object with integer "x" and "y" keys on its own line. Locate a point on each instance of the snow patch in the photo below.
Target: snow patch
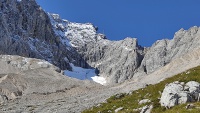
{"x": 127, "y": 48}
{"x": 100, "y": 80}
{"x": 99, "y": 63}
{"x": 84, "y": 74}
{"x": 80, "y": 73}
{"x": 44, "y": 62}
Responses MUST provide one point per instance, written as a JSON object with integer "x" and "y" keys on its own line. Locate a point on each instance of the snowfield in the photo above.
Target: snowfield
{"x": 84, "y": 74}
{"x": 98, "y": 79}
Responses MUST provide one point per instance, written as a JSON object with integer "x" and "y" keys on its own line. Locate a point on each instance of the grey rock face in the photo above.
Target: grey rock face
{"x": 26, "y": 30}
{"x": 169, "y": 96}
{"x": 118, "y": 61}
{"x": 121, "y": 60}
{"x": 164, "y": 51}
{"x": 29, "y": 31}
{"x": 155, "y": 57}
{"x": 115, "y": 60}
{"x": 176, "y": 93}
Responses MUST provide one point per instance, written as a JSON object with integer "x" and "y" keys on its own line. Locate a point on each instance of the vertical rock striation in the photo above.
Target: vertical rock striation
{"x": 118, "y": 61}
{"x": 164, "y": 51}
{"x": 115, "y": 60}
{"x": 26, "y": 30}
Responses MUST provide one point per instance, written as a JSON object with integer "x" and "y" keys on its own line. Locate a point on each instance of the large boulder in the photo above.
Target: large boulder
{"x": 193, "y": 86}
{"x": 177, "y": 93}
{"x": 194, "y": 89}
{"x": 170, "y": 96}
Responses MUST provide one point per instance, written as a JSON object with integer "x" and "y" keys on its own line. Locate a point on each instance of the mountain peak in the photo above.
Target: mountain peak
{"x": 78, "y": 34}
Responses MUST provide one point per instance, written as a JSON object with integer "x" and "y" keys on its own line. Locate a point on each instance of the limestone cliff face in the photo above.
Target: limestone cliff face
{"x": 164, "y": 51}
{"x": 26, "y": 30}
{"x": 122, "y": 60}
{"x": 114, "y": 60}
{"x": 118, "y": 61}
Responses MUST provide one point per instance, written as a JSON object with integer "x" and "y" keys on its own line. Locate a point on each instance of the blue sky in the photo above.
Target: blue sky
{"x": 147, "y": 20}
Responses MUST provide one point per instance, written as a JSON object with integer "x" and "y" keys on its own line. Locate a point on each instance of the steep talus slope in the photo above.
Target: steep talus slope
{"x": 26, "y": 30}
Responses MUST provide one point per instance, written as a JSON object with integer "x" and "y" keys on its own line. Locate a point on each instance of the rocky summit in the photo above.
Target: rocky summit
{"x": 30, "y": 32}
{"x": 40, "y": 50}
{"x": 27, "y": 31}
{"x": 118, "y": 61}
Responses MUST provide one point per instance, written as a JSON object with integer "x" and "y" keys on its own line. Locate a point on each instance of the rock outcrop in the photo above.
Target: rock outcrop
{"x": 146, "y": 109}
{"x": 115, "y": 60}
{"x": 164, "y": 51}
{"x": 118, "y": 61}
{"x": 28, "y": 84}
{"x": 179, "y": 93}
{"x": 29, "y": 31}
{"x": 26, "y": 30}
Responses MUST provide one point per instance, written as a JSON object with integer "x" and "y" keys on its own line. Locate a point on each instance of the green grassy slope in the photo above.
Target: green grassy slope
{"x": 129, "y": 102}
